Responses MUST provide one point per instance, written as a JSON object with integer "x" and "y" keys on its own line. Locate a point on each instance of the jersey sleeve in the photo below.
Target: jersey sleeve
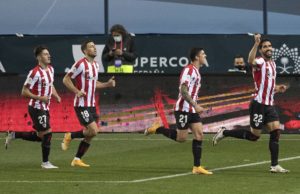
{"x": 31, "y": 79}
{"x": 186, "y": 76}
{"x": 259, "y": 62}
{"x": 75, "y": 70}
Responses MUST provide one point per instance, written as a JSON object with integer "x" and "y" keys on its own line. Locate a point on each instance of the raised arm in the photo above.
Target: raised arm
{"x": 253, "y": 51}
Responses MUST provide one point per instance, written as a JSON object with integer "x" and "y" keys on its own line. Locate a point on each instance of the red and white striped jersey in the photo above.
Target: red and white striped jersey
{"x": 40, "y": 82}
{"x": 191, "y": 77}
{"x": 264, "y": 75}
{"x": 86, "y": 76}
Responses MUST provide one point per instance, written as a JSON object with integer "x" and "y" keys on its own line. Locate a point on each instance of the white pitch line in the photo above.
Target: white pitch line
{"x": 215, "y": 169}
{"x": 152, "y": 178}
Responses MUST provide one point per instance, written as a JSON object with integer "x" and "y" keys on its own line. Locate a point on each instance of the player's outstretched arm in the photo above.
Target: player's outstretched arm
{"x": 280, "y": 88}
{"x": 253, "y": 51}
{"x": 109, "y": 84}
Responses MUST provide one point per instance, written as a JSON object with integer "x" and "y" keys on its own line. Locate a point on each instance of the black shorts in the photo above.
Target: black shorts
{"x": 40, "y": 118}
{"x": 261, "y": 114}
{"x": 184, "y": 119}
{"x": 86, "y": 115}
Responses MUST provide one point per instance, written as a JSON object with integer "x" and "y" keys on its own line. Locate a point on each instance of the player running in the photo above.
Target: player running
{"x": 262, "y": 110}
{"x": 39, "y": 88}
{"x": 85, "y": 74}
{"x": 187, "y": 110}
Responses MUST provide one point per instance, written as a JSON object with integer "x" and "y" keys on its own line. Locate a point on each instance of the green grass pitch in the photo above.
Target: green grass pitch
{"x": 125, "y": 163}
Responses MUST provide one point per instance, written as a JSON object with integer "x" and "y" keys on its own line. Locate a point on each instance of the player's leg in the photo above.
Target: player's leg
{"x": 197, "y": 129}
{"x": 273, "y": 126}
{"x": 179, "y": 134}
{"x": 44, "y": 132}
{"x": 251, "y": 135}
{"x": 197, "y": 142}
{"x": 72, "y": 135}
{"x": 156, "y": 128}
{"x": 90, "y": 131}
{"x": 85, "y": 116}
{"x": 36, "y": 116}
{"x": 256, "y": 122}
{"x": 46, "y": 137}
{"x": 28, "y": 136}
{"x": 75, "y": 135}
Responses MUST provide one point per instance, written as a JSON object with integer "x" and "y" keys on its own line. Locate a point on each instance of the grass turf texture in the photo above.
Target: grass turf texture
{"x": 126, "y": 157}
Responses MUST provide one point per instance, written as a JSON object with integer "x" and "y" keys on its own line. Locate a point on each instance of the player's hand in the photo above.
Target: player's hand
{"x": 199, "y": 109}
{"x": 282, "y": 88}
{"x": 118, "y": 52}
{"x": 58, "y": 99}
{"x": 45, "y": 99}
{"x": 257, "y": 38}
{"x": 80, "y": 94}
{"x": 112, "y": 82}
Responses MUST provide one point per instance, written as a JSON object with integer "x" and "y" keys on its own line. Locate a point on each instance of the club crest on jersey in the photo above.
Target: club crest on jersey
{"x": 29, "y": 80}
{"x": 186, "y": 77}
{"x": 288, "y": 59}
{"x": 73, "y": 70}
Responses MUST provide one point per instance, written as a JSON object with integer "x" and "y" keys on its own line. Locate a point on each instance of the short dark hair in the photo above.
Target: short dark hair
{"x": 238, "y": 56}
{"x": 118, "y": 28}
{"x": 84, "y": 44}
{"x": 39, "y": 49}
{"x": 262, "y": 41}
{"x": 194, "y": 52}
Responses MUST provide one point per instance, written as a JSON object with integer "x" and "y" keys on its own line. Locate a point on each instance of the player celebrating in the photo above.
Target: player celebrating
{"x": 85, "y": 74}
{"x": 262, "y": 110}
{"x": 187, "y": 110}
{"x": 39, "y": 88}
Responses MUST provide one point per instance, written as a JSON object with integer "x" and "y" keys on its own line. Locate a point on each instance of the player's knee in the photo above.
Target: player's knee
{"x": 181, "y": 139}
{"x": 198, "y": 136}
{"x": 91, "y": 133}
